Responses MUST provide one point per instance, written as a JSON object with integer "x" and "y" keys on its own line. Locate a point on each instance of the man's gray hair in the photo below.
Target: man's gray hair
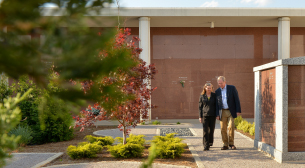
{"x": 222, "y": 78}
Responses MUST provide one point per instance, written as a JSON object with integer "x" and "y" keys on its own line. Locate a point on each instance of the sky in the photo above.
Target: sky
{"x": 208, "y": 3}
{"x": 214, "y": 3}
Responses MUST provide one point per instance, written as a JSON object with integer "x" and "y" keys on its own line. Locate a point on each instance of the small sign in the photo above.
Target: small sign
{"x": 183, "y": 78}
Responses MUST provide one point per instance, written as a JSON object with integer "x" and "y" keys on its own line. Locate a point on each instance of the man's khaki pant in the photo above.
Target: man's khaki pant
{"x": 227, "y": 123}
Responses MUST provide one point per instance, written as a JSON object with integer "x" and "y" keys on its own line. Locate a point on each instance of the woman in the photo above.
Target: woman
{"x": 207, "y": 114}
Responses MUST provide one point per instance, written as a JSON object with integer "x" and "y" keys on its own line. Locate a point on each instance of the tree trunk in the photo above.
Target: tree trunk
{"x": 124, "y": 135}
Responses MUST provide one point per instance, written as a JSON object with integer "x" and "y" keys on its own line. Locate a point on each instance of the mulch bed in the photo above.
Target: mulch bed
{"x": 245, "y": 133}
{"x": 185, "y": 160}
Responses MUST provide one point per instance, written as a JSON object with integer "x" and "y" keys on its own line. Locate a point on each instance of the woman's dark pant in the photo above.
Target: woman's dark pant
{"x": 208, "y": 124}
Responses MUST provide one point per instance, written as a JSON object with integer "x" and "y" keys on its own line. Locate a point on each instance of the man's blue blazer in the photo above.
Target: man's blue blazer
{"x": 232, "y": 100}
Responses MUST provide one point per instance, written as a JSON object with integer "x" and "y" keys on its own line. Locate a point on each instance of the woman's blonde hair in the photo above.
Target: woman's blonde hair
{"x": 204, "y": 88}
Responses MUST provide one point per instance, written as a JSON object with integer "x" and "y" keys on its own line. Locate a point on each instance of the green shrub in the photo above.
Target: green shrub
{"x": 94, "y": 111}
{"x": 168, "y": 137}
{"x": 134, "y": 139}
{"x": 170, "y": 149}
{"x": 241, "y": 124}
{"x": 244, "y": 126}
{"x": 5, "y": 89}
{"x": 238, "y": 120}
{"x": 156, "y": 122}
{"x": 25, "y": 133}
{"x": 88, "y": 150}
{"x": 247, "y": 127}
{"x": 142, "y": 123}
{"x": 54, "y": 123}
{"x": 178, "y": 123}
{"x": 9, "y": 118}
{"x": 82, "y": 143}
{"x": 252, "y": 129}
{"x": 169, "y": 146}
{"x": 56, "y": 120}
{"x": 108, "y": 140}
{"x": 129, "y": 150}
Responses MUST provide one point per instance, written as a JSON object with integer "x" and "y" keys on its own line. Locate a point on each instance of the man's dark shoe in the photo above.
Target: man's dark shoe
{"x": 206, "y": 149}
{"x": 210, "y": 144}
{"x": 224, "y": 148}
{"x": 232, "y": 147}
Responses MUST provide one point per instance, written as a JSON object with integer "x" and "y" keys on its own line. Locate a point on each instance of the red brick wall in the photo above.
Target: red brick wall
{"x": 268, "y": 110}
{"x": 199, "y": 55}
{"x": 296, "y": 108}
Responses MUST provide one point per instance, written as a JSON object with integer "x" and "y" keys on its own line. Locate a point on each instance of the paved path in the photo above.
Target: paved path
{"x": 245, "y": 155}
{"x": 114, "y": 164}
{"x": 33, "y": 160}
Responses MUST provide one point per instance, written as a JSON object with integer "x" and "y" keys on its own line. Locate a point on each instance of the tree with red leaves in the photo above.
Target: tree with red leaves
{"x": 134, "y": 84}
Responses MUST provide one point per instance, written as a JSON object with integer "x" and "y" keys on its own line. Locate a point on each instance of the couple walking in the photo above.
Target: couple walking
{"x": 222, "y": 105}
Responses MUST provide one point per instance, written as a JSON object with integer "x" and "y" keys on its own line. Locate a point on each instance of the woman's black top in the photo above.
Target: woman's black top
{"x": 207, "y": 107}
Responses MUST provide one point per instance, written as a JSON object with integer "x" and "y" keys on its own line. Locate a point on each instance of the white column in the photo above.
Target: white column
{"x": 257, "y": 108}
{"x": 144, "y": 35}
{"x": 283, "y": 38}
{"x": 281, "y": 117}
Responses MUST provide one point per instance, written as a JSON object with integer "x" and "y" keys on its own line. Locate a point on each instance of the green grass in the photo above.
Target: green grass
{"x": 156, "y": 122}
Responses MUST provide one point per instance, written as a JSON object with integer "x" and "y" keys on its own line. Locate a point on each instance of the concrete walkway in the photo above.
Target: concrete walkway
{"x": 245, "y": 155}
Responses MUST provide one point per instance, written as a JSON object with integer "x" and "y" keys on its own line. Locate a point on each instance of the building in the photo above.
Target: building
{"x": 196, "y": 45}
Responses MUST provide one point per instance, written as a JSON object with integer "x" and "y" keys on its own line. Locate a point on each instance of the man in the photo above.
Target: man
{"x": 227, "y": 108}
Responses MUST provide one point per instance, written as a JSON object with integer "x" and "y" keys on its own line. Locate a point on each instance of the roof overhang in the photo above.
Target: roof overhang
{"x": 193, "y": 17}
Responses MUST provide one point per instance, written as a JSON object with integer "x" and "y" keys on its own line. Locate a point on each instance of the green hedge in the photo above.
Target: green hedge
{"x": 108, "y": 140}
{"x": 134, "y": 139}
{"x": 169, "y": 146}
{"x": 244, "y": 125}
{"x": 156, "y": 122}
{"x": 129, "y": 150}
{"x": 84, "y": 150}
{"x": 133, "y": 147}
{"x": 252, "y": 129}
{"x": 54, "y": 124}
{"x": 238, "y": 120}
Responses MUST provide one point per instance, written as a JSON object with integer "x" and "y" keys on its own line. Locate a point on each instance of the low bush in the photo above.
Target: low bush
{"x": 244, "y": 126}
{"x": 129, "y": 150}
{"x": 142, "y": 123}
{"x": 252, "y": 129}
{"x": 25, "y": 133}
{"x": 169, "y": 146}
{"x": 134, "y": 139}
{"x": 82, "y": 143}
{"x": 83, "y": 150}
{"x": 241, "y": 125}
{"x": 108, "y": 140}
{"x": 238, "y": 120}
{"x": 178, "y": 123}
{"x": 156, "y": 122}
{"x": 168, "y": 137}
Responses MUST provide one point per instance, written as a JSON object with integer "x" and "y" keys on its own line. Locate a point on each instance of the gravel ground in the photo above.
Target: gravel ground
{"x": 178, "y": 131}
